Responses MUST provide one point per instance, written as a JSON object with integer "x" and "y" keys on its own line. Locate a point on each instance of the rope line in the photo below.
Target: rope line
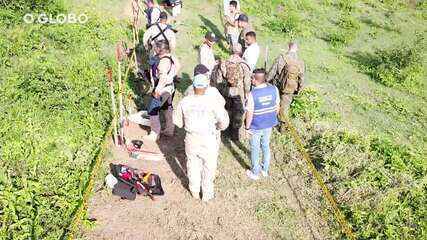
{"x": 345, "y": 226}
{"x": 86, "y": 194}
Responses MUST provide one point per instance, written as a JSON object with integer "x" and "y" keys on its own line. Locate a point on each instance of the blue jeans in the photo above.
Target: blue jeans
{"x": 260, "y": 140}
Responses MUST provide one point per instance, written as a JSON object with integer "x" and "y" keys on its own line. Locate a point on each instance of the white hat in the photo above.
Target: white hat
{"x": 200, "y": 81}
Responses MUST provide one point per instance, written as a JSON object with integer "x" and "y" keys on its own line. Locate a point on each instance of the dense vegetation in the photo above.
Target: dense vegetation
{"x": 53, "y": 115}
{"x": 362, "y": 57}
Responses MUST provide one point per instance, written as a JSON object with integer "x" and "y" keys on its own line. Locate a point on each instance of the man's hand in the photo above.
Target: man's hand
{"x": 156, "y": 95}
{"x": 248, "y": 133}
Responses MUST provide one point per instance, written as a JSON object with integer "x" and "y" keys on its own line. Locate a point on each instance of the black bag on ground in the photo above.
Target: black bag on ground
{"x": 131, "y": 183}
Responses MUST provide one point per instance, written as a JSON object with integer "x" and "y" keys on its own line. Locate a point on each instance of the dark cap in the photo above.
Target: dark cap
{"x": 163, "y": 15}
{"x": 211, "y": 37}
{"x": 243, "y": 18}
{"x": 200, "y": 69}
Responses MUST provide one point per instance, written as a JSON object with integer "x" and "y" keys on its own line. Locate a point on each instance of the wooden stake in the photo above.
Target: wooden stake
{"x": 119, "y": 58}
{"x": 113, "y": 104}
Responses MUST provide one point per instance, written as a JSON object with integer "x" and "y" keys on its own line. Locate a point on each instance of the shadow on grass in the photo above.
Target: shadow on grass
{"x": 240, "y": 159}
{"x": 374, "y": 24}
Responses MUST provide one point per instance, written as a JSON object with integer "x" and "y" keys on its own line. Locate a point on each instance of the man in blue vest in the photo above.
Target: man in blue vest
{"x": 263, "y": 105}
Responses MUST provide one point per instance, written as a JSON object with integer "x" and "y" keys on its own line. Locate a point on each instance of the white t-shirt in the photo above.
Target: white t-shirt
{"x": 251, "y": 55}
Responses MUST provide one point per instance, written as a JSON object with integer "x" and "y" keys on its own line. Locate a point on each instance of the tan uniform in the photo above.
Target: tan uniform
{"x": 163, "y": 75}
{"x": 201, "y": 120}
{"x": 153, "y": 34}
{"x": 290, "y": 87}
{"x": 207, "y": 57}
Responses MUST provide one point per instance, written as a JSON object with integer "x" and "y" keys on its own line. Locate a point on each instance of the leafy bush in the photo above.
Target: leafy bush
{"x": 306, "y": 105}
{"x": 13, "y": 10}
{"x": 399, "y": 65}
{"x": 378, "y": 183}
{"x": 346, "y": 31}
{"x": 54, "y": 114}
{"x": 346, "y": 5}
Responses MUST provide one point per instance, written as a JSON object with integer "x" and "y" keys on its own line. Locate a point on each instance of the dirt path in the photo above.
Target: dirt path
{"x": 239, "y": 203}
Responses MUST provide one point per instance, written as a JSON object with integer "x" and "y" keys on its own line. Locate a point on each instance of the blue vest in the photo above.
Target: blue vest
{"x": 265, "y": 108}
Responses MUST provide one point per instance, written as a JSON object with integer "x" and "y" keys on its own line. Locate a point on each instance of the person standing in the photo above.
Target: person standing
{"x": 251, "y": 53}
{"x": 206, "y": 54}
{"x": 227, "y": 4}
{"x": 287, "y": 74}
{"x": 245, "y": 27}
{"x": 232, "y": 31}
{"x": 234, "y": 80}
{"x": 159, "y": 31}
{"x": 261, "y": 116}
{"x": 163, "y": 73}
{"x": 152, "y": 13}
{"x": 201, "y": 120}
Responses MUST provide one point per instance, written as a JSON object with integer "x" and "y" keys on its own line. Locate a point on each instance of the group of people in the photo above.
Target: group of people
{"x": 230, "y": 95}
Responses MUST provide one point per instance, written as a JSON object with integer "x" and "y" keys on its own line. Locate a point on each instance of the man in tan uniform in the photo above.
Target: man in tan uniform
{"x": 201, "y": 120}
{"x": 206, "y": 54}
{"x": 159, "y": 31}
{"x": 234, "y": 82}
{"x": 231, "y": 28}
{"x": 163, "y": 72}
{"x": 287, "y": 74}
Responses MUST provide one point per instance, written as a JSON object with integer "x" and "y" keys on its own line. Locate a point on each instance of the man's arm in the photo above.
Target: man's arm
{"x": 146, "y": 37}
{"x": 249, "y": 111}
{"x": 178, "y": 118}
{"x": 273, "y": 72}
{"x": 172, "y": 39}
{"x": 222, "y": 118}
{"x": 247, "y": 80}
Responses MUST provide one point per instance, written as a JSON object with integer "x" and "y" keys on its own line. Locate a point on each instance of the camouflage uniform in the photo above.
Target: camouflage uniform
{"x": 235, "y": 96}
{"x": 288, "y": 85}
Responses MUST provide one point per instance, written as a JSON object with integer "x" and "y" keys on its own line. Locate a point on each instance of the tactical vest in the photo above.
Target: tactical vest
{"x": 289, "y": 78}
{"x": 265, "y": 108}
{"x": 155, "y": 72}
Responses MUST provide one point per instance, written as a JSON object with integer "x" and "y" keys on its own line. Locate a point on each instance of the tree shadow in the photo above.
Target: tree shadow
{"x": 213, "y": 28}
{"x": 366, "y": 63}
{"x": 228, "y": 144}
{"x": 386, "y": 27}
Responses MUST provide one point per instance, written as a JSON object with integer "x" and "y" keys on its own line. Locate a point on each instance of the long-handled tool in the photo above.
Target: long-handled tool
{"x": 119, "y": 58}
{"x": 266, "y": 57}
{"x": 113, "y": 104}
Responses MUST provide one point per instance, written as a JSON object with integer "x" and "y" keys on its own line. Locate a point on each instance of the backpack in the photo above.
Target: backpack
{"x": 130, "y": 182}
{"x": 289, "y": 81}
{"x": 234, "y": 73}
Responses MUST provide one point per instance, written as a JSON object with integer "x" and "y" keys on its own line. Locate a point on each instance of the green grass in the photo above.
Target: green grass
{"x": 372, "y": 110}
{"x": 53, "y": 117}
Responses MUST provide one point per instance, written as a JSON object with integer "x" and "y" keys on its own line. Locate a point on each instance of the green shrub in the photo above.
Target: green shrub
{"x": 346, "y": 5}
{"x": 12, "y": 11}
{"x": 399, "y": 65}
{"x": 347, "y": 29}
{"x": 378, "y": 183}
{"x": 306, "y": 105}
{"x": 54, "y": 114}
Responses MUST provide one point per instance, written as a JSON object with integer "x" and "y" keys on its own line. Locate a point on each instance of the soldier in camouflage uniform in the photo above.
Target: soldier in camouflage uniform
{"x": 287, "y": 74}
{"x": 233, "y": 79}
